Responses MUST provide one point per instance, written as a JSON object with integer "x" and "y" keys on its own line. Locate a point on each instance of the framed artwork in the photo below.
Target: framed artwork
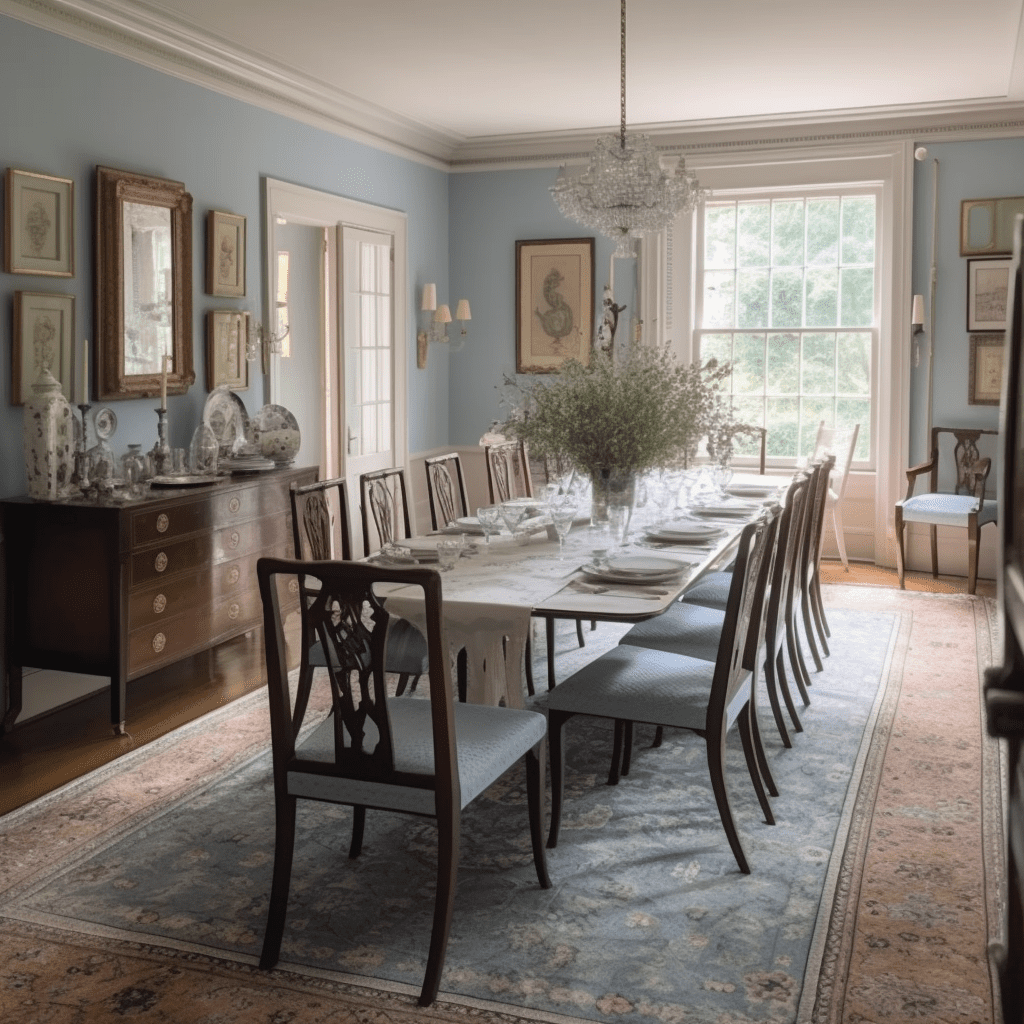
{"x": 225, "y": 254}
{"x": 988, "y": 287}
{"x": 43, "y": 335}
{"x": 985, "y": 376}
{"x": 986, "y": 225}
{"x": 226, "y": 334}
{"x": 554, "y": 303}
{"x": 39, "y": 226}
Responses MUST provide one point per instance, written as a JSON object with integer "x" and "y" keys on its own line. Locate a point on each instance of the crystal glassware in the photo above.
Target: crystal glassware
{"x": 448, "y": 552}
{"x": 562, "y": 516}
{"x": 489, "y": 518}
{"x": 512, "y": 515}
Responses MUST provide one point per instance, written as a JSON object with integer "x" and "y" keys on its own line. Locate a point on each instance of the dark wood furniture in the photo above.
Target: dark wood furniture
{"x": 508, "y": 471}
{"x": 447, "y": 496}
{"x": 121, "y": 590}
{"x": 384, "y": 501}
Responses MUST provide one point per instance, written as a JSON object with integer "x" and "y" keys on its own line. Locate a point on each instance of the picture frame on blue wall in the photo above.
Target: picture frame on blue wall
{"x": 225, "y": 254}
{"x": 988, "y": 289}
{"x": 554, "y": 303}
{"x": 39, "y": 226}
{"x": 226, "y": 333}
{"x": 985, "y": 371}
{"x": 43, "y": 336}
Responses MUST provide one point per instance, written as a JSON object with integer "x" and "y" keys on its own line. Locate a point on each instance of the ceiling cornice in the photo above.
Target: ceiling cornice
{"x": 149, "y": 37}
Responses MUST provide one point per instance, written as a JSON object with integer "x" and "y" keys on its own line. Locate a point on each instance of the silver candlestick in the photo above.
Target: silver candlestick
{"x": 161, "y": 453}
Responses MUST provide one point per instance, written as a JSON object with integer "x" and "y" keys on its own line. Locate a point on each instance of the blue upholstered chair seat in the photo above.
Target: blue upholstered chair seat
{"x": 690, "y": 629}
{"x": 640, "y": 685}
{"x": 946, "y": 509}
{"x": 488, "y": 740}
{"x": 712, "y": 591}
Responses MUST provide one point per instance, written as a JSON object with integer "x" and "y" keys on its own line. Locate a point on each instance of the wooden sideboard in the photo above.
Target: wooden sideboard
{"x": 123, "y": 589}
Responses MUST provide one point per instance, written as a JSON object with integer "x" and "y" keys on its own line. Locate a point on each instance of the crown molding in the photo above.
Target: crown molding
{"x": 149, "y": 36}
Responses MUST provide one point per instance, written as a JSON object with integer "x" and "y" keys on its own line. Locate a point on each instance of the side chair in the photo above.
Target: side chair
{"x": 384, "y": 503}
{"x": 638, "y": 684}
{"x": 446, "y": 489}
{"x": 842, "y": 444}
{"x": 321, "y": 532}
{"x": 508, "y": 471}
{"x": 429, "y": 758}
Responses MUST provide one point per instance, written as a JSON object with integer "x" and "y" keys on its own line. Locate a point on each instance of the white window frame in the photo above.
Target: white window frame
{"x": 797, "y": 191}
{"x": 668, "y": 282}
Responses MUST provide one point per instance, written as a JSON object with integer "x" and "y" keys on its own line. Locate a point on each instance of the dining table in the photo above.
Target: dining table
{"x": 500, "y": 584}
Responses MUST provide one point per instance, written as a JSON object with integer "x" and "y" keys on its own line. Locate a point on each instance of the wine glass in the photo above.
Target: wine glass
{"x": 489, "y": 518}
{"x": 512, "y": 514}
{"x": 562, "y": 515}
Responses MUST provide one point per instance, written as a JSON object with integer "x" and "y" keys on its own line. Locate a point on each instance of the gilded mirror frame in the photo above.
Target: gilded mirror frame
{"x": 114, "y": 189}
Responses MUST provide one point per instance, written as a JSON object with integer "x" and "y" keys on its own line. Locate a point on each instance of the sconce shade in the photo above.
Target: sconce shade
{"x": 443, "y": 314}
{"x": 917, "y": 316}
{"x": 462, "y": 310}
{"x": 429, "y": 297}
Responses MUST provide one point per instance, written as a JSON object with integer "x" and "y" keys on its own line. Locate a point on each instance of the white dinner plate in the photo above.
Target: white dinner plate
{"x": 688, "y": 528}
{"x": 522, "y": 503}
{"x": 736, "y": 508}
{"x": 751, "y": 490}
{"x": 642, "y": 565}
{"x": 593, "y": 572}
{"x": 684, "y": 538}
{"x": 470, "y": 524}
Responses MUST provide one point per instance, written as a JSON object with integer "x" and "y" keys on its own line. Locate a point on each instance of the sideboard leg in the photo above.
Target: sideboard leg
{"x": 14, "y": 698}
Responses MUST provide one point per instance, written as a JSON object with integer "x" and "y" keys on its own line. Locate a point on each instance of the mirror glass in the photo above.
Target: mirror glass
{"x": 143, "y": 285}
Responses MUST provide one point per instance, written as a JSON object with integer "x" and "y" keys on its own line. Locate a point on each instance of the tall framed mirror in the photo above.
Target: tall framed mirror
{"x": 143, "y": 285}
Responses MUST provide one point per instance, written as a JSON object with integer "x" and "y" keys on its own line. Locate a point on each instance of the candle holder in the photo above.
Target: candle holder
{"x": 80, "y": 477}
{"x": 161, "y": 453}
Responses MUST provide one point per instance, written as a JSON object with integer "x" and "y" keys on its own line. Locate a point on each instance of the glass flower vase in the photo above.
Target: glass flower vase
{"x": 611, "y": 488}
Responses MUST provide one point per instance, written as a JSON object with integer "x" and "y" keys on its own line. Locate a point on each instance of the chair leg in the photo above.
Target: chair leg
{"x": 837, "y": 526}
{"x": 900, "y": 554}
{"x": 787, "y": 696}
{"x": 284, "y": 848}
{"x": 972, "y": 555}
{"x": 805, "y": 608}
{"x": 755, "y": 732}
{"x": 627, "y": 748}
{"x": 934, "y": 531}
{"x": 771, "y": 685}
{"x": 535, "y": 803}
{"x": 659, "y": 735}
{"x": 579, "y": 633}
{"x": 444, "y": 901}
{"x": 462, "y": 674}
{"x": 796, "y": 659}
{"x": 750, "y": 753}
{"x": 716, "y": 766}
{"x": 618, "y": 740}
{"x": 556, "y": 723}
{"x": 818, "y": 607}
{"x": 403, "y": 682}
{"x": 358, "y": 826}
{"x": 549, "y": 632}
{"x": 528, "y": 663}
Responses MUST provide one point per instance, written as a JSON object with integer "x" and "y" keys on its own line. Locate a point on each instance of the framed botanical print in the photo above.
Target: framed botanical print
{"x": 226, "y": 333}
{"x": 554, "y": 303}
{"x": 225, "y": 254}
{"x": 988, "y": 288}
{"x": 985, "y": 374}
{"x": 44, "y": 333}
{"x": 39, "y": 227}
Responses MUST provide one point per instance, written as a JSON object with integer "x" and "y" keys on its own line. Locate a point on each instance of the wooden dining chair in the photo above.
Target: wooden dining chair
{"x": 321, "y": 532}
{"x": 428, "y": 758}
{"x": 638, "y": 684}
{"x": 508, "y": 471}
{"x": 384, "y": 503}
{"x": 446, "y": 489}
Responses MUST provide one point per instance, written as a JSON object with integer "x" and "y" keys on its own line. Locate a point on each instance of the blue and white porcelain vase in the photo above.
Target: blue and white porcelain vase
{"x": 49, "y": 440}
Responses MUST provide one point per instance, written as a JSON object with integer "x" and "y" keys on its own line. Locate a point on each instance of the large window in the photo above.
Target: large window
{"x": 788, "y": 292}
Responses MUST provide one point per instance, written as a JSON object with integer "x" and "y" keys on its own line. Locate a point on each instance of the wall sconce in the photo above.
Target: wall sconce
{"x": 437, "y": 331}
{"x": 271, "y": 344}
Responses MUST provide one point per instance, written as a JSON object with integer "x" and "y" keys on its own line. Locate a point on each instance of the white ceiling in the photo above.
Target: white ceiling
{"x": 455, "y": 74}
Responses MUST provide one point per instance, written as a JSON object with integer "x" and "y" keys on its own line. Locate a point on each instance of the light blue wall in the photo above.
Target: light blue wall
{"x": 68, "y": 107}
{"x": 967, "y": 170}
{"x": 491, "y": 210}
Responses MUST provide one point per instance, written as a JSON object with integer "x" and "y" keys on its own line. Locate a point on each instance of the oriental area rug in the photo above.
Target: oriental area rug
{"x": 140, "y": 890}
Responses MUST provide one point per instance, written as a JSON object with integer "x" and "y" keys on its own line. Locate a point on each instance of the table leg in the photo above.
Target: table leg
{"x": 549, "y": 627}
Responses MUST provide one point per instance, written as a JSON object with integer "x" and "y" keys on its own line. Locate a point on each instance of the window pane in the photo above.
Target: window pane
{"x": 748, "y": 364}
{"x": 858, "y": 230}
{"x": 788, "y": 233}
{"x": 720, "y": 236}
{"x": 716, "y": 346}
{"x": 787, "y": 298}
{"x": 814, "y": 411}
{"x": 823, "y": 232}
{"x": 783, "y": 363}
{"x": 819, "y": 369}
{"x": 856, "y": 410}
{"x": 754, "y": 234}
{"x": 718, "y": 298}
{"x": 822, "y": 297}
{"x": 858, "y": 302}
{"x": 752, "y": 286}
{"x": 855, "y": 363}
{"x": 783, "y": 424}
{"x": 750, "y": 410}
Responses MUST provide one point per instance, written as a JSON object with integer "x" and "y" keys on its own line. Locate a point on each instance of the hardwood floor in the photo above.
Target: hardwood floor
{"x": 52, "y": 749}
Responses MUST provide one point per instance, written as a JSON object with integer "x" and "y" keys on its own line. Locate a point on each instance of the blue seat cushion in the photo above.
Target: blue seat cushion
{"x": 639, "y": 685}
{"x": 489, "y": 740}
{"x": 690, "y": 629}
{"x": 712, "y": 591}
{"x": 946, "y": 509}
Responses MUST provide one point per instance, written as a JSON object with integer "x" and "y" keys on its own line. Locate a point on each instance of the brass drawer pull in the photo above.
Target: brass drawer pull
{"x": 234, "y": 573}
{"x": 159, "y": 603}
{"x": 233, "y": 610}
{"x": 162, "y": 522}
{"x": 160, "y": 562}
{"x": 159, "y": 642}
{"x": 234, "y": 505}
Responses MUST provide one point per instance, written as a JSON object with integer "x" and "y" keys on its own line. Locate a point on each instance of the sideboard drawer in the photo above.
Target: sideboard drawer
{"x": 164, "y": 642}
{"x": 272, "y": 533}
{"x": 163, "y": 560}
{"x": 165, "y": 599}
{"x": 167, "y": 523}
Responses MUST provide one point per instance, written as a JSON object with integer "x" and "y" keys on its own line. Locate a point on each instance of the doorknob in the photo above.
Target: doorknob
{"x": 351, "y": 437}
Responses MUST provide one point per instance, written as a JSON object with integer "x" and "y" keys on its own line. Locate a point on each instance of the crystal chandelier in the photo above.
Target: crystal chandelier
{"x": 625, "y": 193}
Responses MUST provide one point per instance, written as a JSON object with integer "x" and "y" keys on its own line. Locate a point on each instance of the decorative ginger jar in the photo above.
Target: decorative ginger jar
{"x": 49, "y": 440}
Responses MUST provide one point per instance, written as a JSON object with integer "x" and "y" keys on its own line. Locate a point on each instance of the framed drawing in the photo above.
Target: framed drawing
{"x": 985, "y": 376}
{"x": 988, "y": 285}
{"x": 226, "y": 334}
{"x": 554, "y": 303}
{"x": 986, "y": 225}
{"x": 44, "y": 333}
{"x": 225, "y": 254}
{"x": 39, "y": 227}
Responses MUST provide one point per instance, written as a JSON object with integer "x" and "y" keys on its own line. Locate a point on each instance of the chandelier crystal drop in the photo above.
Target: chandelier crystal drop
{"x": 625, "y": 192}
